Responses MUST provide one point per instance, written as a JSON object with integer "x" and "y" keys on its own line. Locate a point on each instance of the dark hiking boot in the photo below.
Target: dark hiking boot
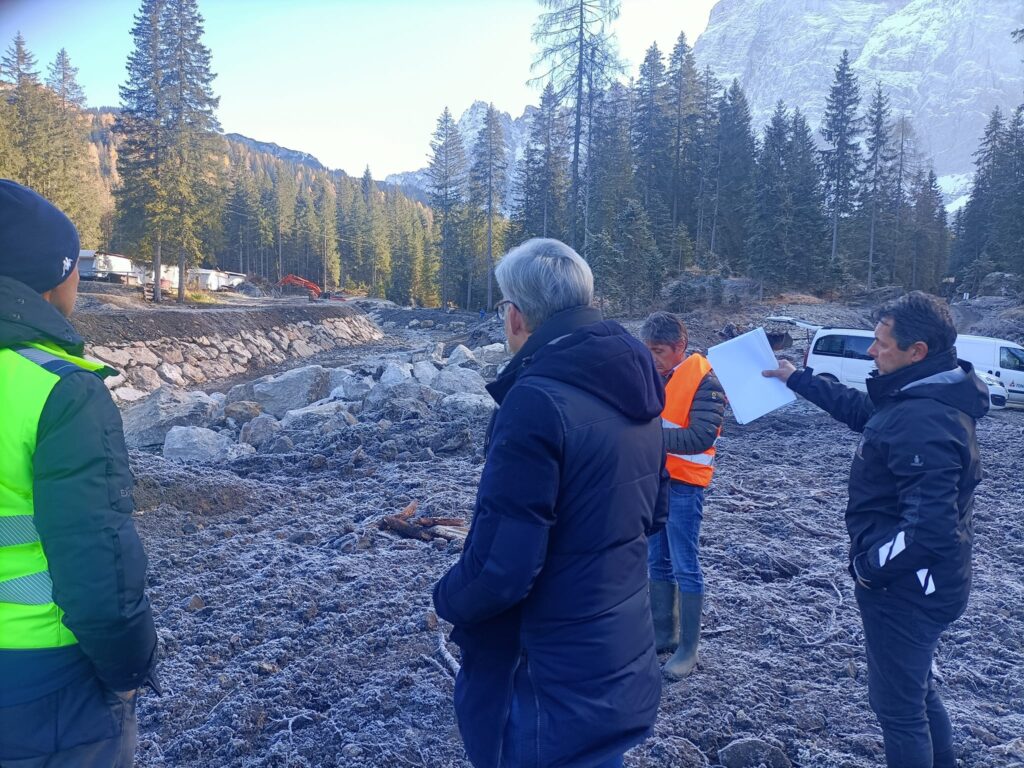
{"x": 664, "y": 613}
{"x": 684, "y": 659}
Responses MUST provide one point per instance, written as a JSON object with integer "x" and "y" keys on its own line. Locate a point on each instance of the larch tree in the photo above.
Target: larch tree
{"x": 575, "y": 54}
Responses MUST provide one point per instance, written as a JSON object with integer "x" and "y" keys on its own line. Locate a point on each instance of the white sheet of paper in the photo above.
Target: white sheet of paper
{"x": 738, "y": 364}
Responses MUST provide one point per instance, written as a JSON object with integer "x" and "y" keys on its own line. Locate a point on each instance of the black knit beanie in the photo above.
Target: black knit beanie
{"x": 38, "y": 243}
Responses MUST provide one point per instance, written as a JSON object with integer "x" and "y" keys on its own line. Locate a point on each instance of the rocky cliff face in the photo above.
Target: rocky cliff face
{"x": 945, "y": 63}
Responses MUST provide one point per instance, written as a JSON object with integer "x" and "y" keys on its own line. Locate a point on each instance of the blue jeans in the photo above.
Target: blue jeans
{"x": 673, "y": 552}
{"x": 900, "y": 641}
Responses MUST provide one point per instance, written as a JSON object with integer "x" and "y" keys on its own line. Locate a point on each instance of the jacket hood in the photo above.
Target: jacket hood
{"x": 940, "y": 377}
{"x": 27, "y": 316}
{"x": 598, "y": 356}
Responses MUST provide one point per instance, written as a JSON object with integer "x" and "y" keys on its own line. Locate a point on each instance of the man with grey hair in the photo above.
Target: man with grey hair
{"x": 549, "y": 598}
{"x": 691, "y": 422}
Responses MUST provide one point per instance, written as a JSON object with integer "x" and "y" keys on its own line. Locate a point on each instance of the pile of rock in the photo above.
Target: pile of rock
{"x": 430, "y": 399}
{"x": 146, "y": 366}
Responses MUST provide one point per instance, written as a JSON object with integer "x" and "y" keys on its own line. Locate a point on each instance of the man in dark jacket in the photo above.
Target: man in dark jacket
{"x": 909, "y": 513}
{"x": 76, "y": 632}
{"x": 691, "y": 423}
{"x": 549, "y": 599}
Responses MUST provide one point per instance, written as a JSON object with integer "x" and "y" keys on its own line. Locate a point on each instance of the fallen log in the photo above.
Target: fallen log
{"x": 403, "y": 528}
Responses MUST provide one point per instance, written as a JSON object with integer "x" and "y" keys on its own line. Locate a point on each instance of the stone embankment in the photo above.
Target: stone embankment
{"x": 406, "y": 405}
{"x": 186, "y": 350}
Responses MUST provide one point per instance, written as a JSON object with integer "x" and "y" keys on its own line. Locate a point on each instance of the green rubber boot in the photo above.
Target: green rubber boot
{"x": 664, "y": 613}
{"x": 684, "y": 660}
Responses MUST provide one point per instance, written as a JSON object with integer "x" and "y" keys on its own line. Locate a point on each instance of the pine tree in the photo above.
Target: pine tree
{"x": 976, "y": 244}
{"x": 841, "y": 128}
{"x": 74, "y": 186}
{"x": 683, "y": 101}
{"x": 447, "y": 174}
{"x": 706, "y": 161}
{"x": 808, "y": 261}
{"x": 929, "y": 236}
{"x": 33, "y": 118}
{"x": 286, "y": 195}
{"x": 650, "y": 128}
{"x": 734, "y": 198}
{"x": 877, "y": 178}
{"x": 192, "y": 133}
{"x": 575, "y": 56}
{"x": 142, "y": 161}
{"x": 612, "y": 183}
{"x": 769, "y": 244}
{"x": 542, "y": 177}
{"x": 487, "y": 180}
{"x": 1007, "y": 223}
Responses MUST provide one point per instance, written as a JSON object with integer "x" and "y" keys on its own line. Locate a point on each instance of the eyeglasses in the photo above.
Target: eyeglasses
{"x": 501, "y": 308}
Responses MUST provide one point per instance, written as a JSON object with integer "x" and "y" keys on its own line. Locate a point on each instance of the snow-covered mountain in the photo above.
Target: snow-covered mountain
{"x": 516, "y": 132}
{"x": 945, "y": 63}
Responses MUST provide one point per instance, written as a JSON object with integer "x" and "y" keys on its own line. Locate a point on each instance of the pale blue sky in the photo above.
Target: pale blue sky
{"x": 352, "y": 82}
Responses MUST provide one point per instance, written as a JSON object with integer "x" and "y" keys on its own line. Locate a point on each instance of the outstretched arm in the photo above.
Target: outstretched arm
{"x": 843, "y": 403}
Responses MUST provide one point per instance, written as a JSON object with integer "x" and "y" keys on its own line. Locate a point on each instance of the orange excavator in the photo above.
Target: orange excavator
{"x": 314, "y": 290}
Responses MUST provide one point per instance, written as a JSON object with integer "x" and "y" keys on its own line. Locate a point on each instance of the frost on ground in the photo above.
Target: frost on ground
{"x": 294, "y": 632}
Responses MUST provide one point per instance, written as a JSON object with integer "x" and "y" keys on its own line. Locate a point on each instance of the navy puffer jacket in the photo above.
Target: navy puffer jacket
{"x": 555, "y": 566}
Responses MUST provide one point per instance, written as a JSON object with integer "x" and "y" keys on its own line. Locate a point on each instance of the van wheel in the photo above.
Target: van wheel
{"x": 830, "y": 377}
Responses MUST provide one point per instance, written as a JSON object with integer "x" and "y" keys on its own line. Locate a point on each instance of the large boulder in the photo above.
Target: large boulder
{"x": 260, "y": 431}
{"x": 379, "y": 396}
{"x": 395, "y": 373}
{"x": 424, "y": 371}
{"x": 146, "y": 423}
{"x": 467, "y": 405}
{"x": 242, "y": 411}
{"x": 492, "y": 354}
{"x": 312, "y": 416}
{"x": 453, "y": 380}
{"x": 200, "y": 444}
{"x": 290, "y": 390}
{"x": 346, "y": 385}
{"x": 461, "y": 356}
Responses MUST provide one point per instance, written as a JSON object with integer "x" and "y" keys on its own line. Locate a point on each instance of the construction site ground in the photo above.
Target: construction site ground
{"x": 295, "y": 632}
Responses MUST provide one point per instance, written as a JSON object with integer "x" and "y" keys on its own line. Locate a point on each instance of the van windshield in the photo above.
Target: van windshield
{"x": 1011, "y": 359}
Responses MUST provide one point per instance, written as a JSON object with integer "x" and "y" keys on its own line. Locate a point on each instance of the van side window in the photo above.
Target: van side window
{"x": 831, "y": 345}
{"x": 856, "y": 347}
{"x": 1011, "y": 359}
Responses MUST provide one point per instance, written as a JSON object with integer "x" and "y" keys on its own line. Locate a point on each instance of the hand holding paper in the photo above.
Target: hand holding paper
{"x": 738, "y": 364}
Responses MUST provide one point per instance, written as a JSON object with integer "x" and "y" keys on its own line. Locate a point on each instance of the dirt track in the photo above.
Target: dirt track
{"x": 295, "y": 633}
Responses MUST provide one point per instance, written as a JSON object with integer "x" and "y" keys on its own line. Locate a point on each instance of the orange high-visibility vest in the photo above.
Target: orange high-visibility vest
{"x": 689, "y": 468}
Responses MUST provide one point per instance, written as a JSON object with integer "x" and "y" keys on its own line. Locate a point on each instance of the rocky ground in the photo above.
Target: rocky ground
{"x": 294, "y": 631}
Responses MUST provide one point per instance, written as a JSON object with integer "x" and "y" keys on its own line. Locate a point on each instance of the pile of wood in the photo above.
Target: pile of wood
{"x": 424, "y": 528}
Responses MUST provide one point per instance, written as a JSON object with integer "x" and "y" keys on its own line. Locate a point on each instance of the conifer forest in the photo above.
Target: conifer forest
{"x": 649, "y": 177}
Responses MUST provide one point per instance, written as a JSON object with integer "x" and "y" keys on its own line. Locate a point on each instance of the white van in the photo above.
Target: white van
{"x": 841, "y": 354}
{"x": 997, "y": 357}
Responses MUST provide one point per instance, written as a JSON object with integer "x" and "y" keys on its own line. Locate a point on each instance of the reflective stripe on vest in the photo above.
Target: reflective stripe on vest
{"x": 29, "y": 619}
{"x": 690, "y": 468}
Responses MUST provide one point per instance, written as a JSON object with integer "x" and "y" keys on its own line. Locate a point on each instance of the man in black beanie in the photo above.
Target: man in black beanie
{"x": 76, "y": 632}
